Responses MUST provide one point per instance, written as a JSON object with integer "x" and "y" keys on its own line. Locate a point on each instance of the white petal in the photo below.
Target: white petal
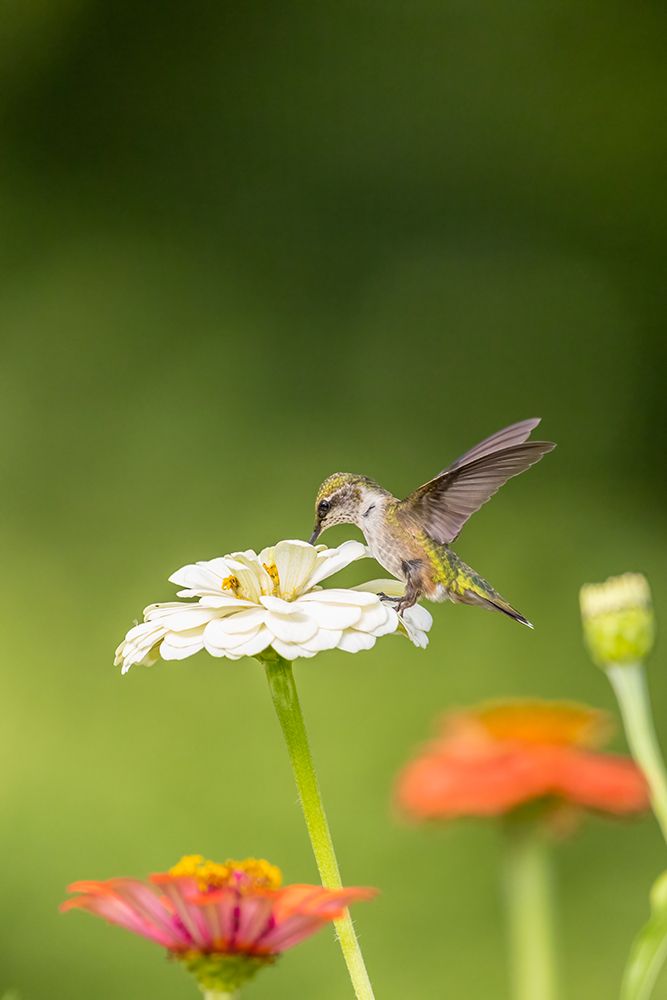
{"x": 416, "y": 637}
{"x": 263, "y": 579}
{"x": 164, "y": 607}
{"x": 244, "y": 620}
{"x": 419, "y": 639}
{"x": 279, "y": 606}
{"x": 139, "y": 646}
{"x": 416, "y": 622}
{"x": 255, "y": 644}
{"x": 247, "y": 557}
{"x": 295, "y": 561}
{"x": 324, "y": 638}
{"x": 140, "y": 632}
{"x": 290, "y": 651}
{"x": 353, "y": 642}
{"x": 339, "y": 595}
{"x": 267, "y": 556}
{"x": 220, "y": 566}
{"x": 224, "y": 601}
{"x": 249, "y": 585}
{"x": 419, "y": 617}
{"x": 379, "y": 619}
{"x": 218, "y": 651}
{"x": 188, "y": 617}
{"x": 392, "y": 588}
{"x": 149, "y": 659}
{"x": 127, "y": 662}
{"x": 178, "y": 646}
{"x": 291, "y": 628}
{"x": 332, "y": 560}
{"x": 129, "y": 653}
{"x": 217, "y": 637}
{"x": 202, "y": 576}
{"x": 180, "y": 640}
{"x": 335, "y": 616}
{"x": 206, "y": 578}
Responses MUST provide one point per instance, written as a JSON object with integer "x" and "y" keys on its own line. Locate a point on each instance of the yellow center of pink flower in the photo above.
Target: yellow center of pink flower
{"x": 245, "y": 876}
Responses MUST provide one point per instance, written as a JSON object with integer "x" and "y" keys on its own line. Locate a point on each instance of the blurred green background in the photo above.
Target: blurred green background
{"x": 244, "y": 246}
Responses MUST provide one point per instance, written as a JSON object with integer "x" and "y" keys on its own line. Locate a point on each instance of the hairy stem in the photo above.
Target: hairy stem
{"x": 288, "y": 710}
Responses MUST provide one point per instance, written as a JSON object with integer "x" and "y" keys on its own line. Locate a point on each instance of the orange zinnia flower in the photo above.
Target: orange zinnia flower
{"x": 492, "y": 759}
{"x": 222, "y": 921}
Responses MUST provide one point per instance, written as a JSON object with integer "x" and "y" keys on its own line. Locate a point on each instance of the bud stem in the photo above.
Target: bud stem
{"x": 629, "y": 684}
{"x": 286, "y": 703}
{"x": 529, "y": 905}
{"x": 216, "y": 995}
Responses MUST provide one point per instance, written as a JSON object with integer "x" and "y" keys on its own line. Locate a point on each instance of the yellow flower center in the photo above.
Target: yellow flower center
{"x": 245, "y": 876}
{"x": 272, "y": 570}
{"x": 230, "y": 583}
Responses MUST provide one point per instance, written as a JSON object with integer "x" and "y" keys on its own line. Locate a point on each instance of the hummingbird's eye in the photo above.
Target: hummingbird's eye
{"x": 323, "y": 507}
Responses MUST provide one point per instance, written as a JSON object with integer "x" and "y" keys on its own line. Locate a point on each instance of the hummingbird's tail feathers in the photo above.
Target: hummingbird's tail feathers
{"x": 466, "y": 586}
{"x": 495, "y": 603}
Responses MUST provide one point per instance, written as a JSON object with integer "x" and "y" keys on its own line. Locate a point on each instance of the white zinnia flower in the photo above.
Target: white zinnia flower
{"x": 247, "y": 603}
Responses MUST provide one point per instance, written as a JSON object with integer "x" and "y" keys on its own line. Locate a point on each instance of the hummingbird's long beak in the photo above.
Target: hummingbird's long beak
{"x": 316, "y": 534}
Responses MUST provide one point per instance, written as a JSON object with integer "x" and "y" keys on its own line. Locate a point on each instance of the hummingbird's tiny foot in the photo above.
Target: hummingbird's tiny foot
{"x": 388, "y": 599}
{"x": 405, "y": 602}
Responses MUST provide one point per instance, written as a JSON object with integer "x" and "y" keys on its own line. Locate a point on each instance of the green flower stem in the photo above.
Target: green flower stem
{"x": 529, "y": 904}
{"x": 288, "y": 710}
{"x": 629, "y": 683}
{"x": 216, "y": 995}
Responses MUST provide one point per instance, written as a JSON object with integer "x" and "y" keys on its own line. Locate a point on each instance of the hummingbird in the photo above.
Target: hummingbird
{"x": 411, "y": 538}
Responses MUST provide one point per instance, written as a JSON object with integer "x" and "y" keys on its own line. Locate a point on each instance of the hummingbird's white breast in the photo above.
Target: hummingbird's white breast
{"x": 384, "y": 547}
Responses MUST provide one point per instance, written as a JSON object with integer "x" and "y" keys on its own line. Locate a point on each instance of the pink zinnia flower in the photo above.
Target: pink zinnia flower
{"x": 492, "y": 759}
{"x": 222, "y": 921}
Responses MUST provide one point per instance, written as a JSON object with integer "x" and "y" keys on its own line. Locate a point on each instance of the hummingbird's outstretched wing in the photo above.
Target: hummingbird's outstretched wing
{"x": 508, "y": 436}
{"x": 443, "y": 505}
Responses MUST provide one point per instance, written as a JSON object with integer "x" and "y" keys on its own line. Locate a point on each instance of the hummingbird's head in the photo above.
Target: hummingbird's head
{"x": 338, "y": 501}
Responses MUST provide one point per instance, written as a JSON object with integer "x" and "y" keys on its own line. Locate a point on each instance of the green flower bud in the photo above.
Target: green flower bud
{"x": 617, "y": 615}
